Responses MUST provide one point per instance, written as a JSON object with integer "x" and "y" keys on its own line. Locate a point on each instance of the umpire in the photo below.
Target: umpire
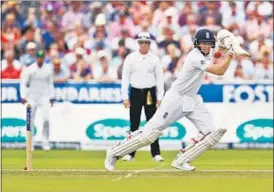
{"x": 143, "y": 72}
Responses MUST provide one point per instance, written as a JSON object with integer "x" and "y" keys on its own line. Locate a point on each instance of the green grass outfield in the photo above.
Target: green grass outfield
{"x": 83, "y": 171}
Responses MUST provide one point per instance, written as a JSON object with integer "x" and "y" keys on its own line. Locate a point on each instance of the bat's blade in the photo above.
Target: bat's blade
{"x": 240, "y": 51}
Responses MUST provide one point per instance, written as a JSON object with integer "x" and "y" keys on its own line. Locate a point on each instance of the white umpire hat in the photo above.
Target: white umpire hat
{"x": 144, "y": 36}
{"x": 31, "y": 45}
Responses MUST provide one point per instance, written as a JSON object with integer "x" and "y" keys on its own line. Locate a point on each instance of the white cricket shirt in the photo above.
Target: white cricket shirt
{"x": 192, "y": 73}
{"x": 37, "y": 83}
{"x": 142, "y": 71}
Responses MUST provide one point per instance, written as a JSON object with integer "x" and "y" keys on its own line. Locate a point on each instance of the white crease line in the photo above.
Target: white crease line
{"x": 137, "y": 170}
{"x": 125, "y": 177}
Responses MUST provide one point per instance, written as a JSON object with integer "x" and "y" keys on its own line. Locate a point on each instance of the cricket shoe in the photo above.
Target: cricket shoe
{"x": 184, "y": 166}
{"x": 128, "y": 158}
{"x": 110, "y": 160}
{"x": 158, "y": 158}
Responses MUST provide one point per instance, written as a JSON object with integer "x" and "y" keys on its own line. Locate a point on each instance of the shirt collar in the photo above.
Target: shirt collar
{"x": 143, "y": 55}
{"x": 205, "y": 56}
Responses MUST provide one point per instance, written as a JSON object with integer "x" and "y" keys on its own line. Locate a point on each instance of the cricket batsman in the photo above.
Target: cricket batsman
{"x": 37, "y": 89}
{"x": 181, "y": 100}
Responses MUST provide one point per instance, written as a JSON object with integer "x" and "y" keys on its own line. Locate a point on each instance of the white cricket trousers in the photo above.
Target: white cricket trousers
{"x": 175, "y": 106}
{"x": 44, "y": 106}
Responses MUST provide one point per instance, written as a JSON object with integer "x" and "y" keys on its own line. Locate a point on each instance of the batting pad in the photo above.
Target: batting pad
{"x": 199, "y": 147}
{"x": 134, "y": 141}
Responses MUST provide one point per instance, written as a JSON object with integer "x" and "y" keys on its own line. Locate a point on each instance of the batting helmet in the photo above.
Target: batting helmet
{"x": 204, "y": 35}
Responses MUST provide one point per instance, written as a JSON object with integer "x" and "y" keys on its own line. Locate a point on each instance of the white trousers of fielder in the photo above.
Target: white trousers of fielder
{"x": 44, "y": 107}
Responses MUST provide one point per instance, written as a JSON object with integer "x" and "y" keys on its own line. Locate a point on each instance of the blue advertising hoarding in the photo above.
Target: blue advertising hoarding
{"x": 98, "y": 93}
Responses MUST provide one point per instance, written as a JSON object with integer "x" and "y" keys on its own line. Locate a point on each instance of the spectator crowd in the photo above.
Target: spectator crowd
{"x": 89, "y": 40}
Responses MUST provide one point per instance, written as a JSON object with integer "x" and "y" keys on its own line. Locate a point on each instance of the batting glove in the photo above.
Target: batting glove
{"x": 231, "y": 52}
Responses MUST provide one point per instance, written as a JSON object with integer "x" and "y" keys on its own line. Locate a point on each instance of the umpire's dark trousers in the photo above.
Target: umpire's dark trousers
{"x": 138, "y": 99}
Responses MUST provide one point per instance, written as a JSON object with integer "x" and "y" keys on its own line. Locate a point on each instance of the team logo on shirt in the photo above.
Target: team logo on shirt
{"x": 202, "y": 62}
{"x": 165, "y": 115}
